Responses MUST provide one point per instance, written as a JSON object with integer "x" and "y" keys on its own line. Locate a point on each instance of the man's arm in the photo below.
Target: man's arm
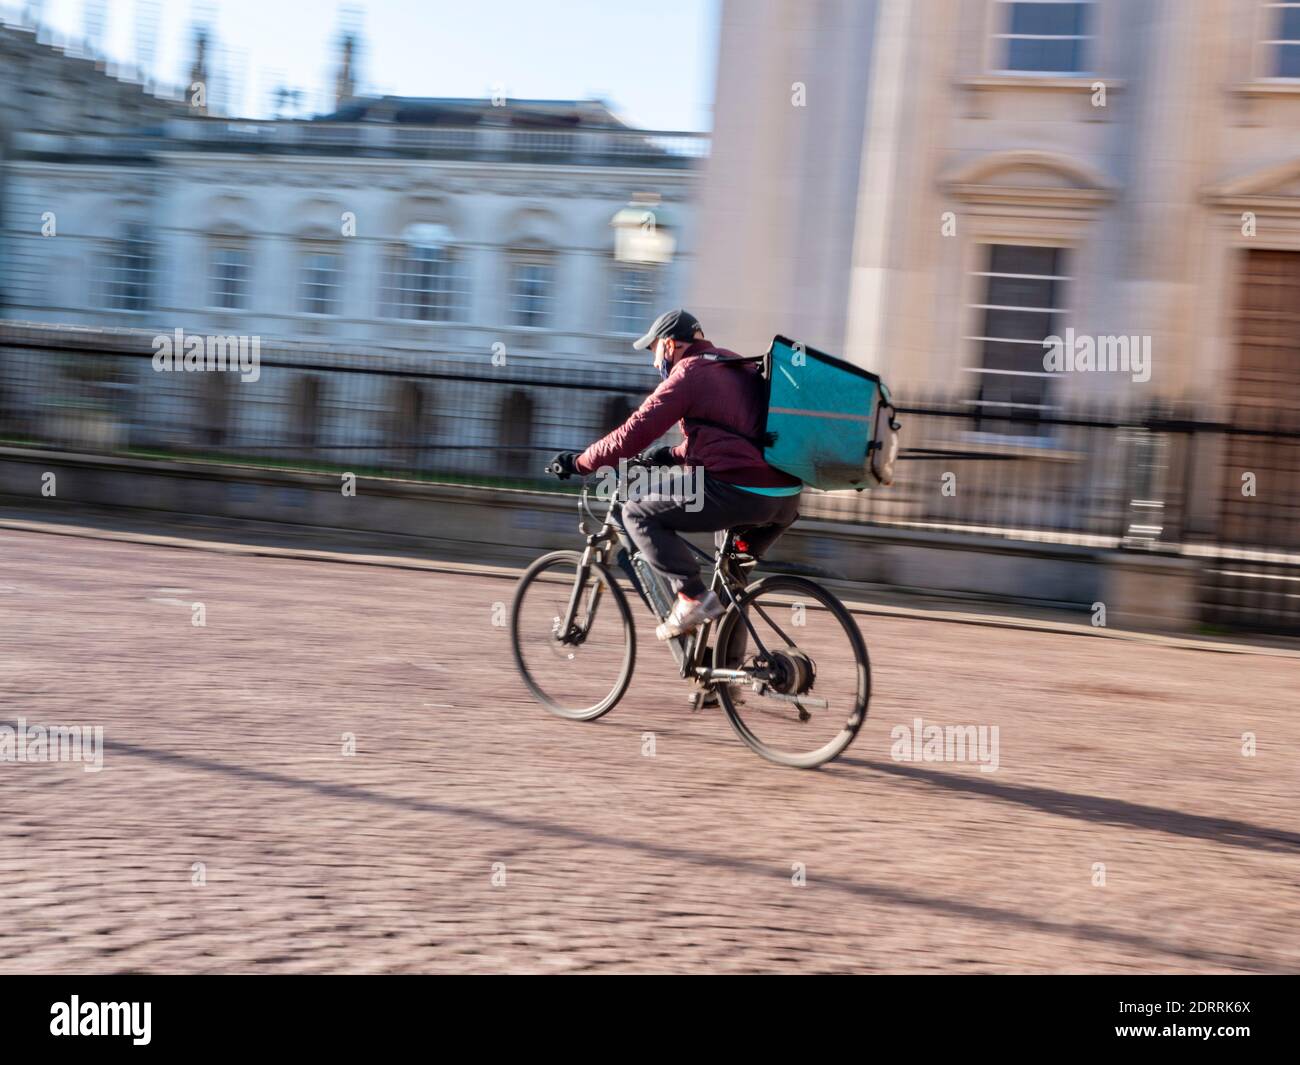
{"x": 662, "y": 409}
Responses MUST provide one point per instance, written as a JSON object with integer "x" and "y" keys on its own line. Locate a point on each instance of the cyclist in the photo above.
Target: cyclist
{"x": 718, "y": 399}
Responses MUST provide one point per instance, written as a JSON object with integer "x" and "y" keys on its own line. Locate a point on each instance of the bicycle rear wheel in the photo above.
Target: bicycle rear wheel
{"x": 582, "y": 676}
{"x": 813, "y": 679}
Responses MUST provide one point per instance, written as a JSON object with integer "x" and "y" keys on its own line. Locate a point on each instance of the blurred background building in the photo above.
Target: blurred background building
{"x": 526, "y": 241}
{"x": 933, "y": 186}
{"x": 46, "y": 88}
{"x": 443, "y": 225}
{"x": 446, "y": 288}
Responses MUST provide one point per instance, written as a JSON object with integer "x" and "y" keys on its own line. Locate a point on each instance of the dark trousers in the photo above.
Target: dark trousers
{"x": 652, "y": 524}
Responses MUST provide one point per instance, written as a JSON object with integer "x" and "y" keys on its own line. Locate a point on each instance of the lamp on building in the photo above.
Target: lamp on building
{"x": 643, "y": 231}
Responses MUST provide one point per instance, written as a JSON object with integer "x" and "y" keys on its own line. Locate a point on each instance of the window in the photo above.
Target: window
{"x": 516, "y": 428}
{"x": 616, "y": 411}
{"x": 544, "y": 142}
{"x": 229, "y": 273}
{"x": 1043, "y": 36}
{"x": 320, "y": 282}
{"x": 633, "y": 299}
{"x": 126, "y": 276}
{"x": 532, "y": 295}
{"x": 1023, "y": 289}
{"x": 305, "y": 410}
{"x": 1284, "y": 25}
{"x": 407, "y": 422}
{"x": 424, "y": 283}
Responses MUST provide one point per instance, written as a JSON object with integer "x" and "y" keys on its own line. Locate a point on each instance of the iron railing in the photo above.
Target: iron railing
{"x": 1223, "y": 486}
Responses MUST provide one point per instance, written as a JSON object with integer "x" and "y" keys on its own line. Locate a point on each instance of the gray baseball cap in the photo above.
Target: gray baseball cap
{"x": 673, "y": 325}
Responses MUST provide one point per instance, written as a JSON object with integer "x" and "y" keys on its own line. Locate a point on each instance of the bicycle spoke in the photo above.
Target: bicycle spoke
{"x": 575, "y": 658}
{"x": 775, "y": 627}
{"x": 808, "y": 679}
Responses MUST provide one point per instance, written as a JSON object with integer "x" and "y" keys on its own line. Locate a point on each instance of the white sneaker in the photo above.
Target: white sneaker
{"x": 688, "y": 614}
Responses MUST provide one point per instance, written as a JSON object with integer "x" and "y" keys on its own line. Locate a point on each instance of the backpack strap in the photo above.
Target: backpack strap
{"x": 763, "y": 440}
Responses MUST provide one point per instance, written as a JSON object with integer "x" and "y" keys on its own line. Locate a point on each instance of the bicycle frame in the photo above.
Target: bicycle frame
{"x": 691, "y": 652}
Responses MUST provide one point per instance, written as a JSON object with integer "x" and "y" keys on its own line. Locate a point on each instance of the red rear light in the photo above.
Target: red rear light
{"x": 742, "y": 546}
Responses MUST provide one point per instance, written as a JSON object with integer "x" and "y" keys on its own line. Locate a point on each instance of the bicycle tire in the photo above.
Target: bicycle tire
{"x": 799, "y": 588}
{"x": 624, "y": 678}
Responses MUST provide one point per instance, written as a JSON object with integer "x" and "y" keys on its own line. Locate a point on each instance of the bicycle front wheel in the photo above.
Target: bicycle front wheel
{"x": 579, "y": 674}
{"x": 808, "y": 677}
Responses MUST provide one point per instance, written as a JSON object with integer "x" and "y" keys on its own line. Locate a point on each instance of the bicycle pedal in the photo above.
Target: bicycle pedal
{"x": 703, "y": 701}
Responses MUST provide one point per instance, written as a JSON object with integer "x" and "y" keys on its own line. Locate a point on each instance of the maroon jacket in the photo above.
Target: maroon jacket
{"x": 700, "y": 385}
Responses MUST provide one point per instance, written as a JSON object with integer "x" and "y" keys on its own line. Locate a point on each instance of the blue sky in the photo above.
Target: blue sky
{"x": 535, "y": 48}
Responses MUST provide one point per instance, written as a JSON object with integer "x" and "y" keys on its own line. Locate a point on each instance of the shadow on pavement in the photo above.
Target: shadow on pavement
{"x": 896, "y": 896}
{"x": 1094, "y": 808}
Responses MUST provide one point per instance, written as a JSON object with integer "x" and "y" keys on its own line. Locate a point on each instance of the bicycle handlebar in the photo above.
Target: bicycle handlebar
{"x": 555, "y": 469}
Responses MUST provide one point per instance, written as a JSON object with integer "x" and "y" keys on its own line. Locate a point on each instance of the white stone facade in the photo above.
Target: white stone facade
{"x": 825, "y": 220}
{"x": 460, "y": 227}
{"x": 234, "y": 240}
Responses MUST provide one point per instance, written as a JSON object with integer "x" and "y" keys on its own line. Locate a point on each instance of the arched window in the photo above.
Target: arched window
{"x": 320, "y": 279}
{"x": 126, "y": 276}
{"x": 644, "y": 243}
{"x": 424, "y": 277}
{"x": 532, "y": 289}
{"x": 633, "y": 297}
{"x": 230, "y": 268}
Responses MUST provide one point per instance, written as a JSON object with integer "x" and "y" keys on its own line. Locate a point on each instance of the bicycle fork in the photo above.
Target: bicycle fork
{"x": 568, "y": 629}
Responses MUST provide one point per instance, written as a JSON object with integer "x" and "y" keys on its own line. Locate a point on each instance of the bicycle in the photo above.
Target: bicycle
{"x": 781, "y": 699}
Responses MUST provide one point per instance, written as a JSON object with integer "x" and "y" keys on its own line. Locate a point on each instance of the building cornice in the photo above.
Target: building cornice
{"x": 1265, "y": 183}
{"x": 977, "y": 171}
{"x": 986, "y": 180}
{"x": 1279, "y": 206}
{"x": 467, "y": 167}
{"x": 1012, "y": 82}
{"x": 1031, "y": 196}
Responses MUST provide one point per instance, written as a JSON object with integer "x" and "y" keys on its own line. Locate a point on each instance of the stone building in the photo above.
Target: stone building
{"x": 45, "y": 88}
{"x": 933, "y": 186}
{"x": 465, "y": 227}
{"x": 424, "y": 276}
{"x": 446, "y": 225}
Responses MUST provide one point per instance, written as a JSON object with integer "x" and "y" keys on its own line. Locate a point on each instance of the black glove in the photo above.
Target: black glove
{"x": 660, "y": 456}
{"x": 562, "y": 465}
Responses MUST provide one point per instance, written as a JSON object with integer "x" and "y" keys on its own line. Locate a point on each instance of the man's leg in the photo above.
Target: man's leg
{"x": 785, "y": 510}
{"x": 653, "y": 525}
{"x": 759, "y": 539}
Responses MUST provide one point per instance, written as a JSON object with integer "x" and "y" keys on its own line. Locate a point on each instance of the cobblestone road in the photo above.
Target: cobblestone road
{"x": 224, "y": 746}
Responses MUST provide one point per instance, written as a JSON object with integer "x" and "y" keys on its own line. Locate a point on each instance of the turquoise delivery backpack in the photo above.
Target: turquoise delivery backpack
{"x": 829, "y": 423}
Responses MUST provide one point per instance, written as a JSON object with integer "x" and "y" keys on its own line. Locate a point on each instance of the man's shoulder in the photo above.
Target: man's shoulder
{"x": 709, "y": 360}
{"x": 720, "y": 355}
